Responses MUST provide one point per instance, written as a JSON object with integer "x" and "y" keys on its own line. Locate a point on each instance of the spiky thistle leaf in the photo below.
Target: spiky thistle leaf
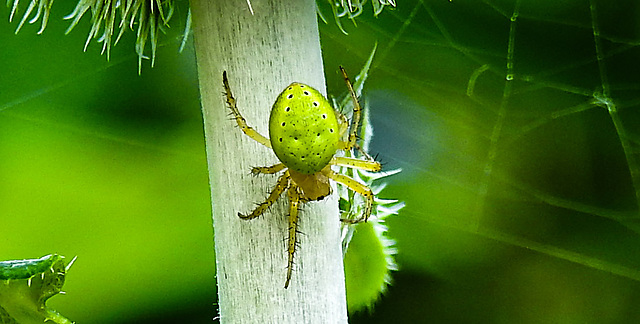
{"x": 367, "y": 249}
{"x": 350, "y": 9}
{"x": 147, "y": 17}
{"x": 44, "y": 8}
{"x": 25, "y": 287}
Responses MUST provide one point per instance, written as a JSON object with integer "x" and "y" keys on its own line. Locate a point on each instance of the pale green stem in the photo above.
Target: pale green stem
{"x": 262, "y": 53}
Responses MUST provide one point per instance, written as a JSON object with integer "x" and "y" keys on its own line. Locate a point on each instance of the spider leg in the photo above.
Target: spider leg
{"x": 268, "y": 170}
{"x": 343, "y": 122}
{"x": 357, "y": 110}
{"x": 294, "y": 208}
{"x": 373, "y": 166}
{"x": 344, "y": 146}
{"x": 242, "y": 123}
{"x": 366, "y": 155}
{"x": 358, "y": 187}
{"x": 281, "y": 186}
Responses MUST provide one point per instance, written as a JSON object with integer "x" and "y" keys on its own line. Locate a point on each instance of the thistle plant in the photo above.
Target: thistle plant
{"x": 149, "y": 19}
{"x": 351, "y": 9}
{"x": 109, "y": 21}
{"x": 25, "y": 287}
{"x": 367, "y": 249}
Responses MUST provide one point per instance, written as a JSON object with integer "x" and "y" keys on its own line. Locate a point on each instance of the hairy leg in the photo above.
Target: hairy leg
{"x": 373, "y": 166}
{"x": 294, "y": 208}
{"x": 281, "y": 186}
{"x": 357, "y": 110}
{"x": 242, "y": 123}
{"x": 357, "y": 187}
{"x": 268, "y": 170}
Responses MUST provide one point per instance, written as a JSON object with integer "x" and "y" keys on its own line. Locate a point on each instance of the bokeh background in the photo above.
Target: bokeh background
{"x": 516, "y": 124}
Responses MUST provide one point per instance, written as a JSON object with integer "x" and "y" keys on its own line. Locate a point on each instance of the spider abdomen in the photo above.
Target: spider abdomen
{"x": 303, "y": 129}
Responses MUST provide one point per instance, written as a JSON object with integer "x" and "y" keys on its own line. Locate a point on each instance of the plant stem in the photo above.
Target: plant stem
{"x": 262, "y": 54}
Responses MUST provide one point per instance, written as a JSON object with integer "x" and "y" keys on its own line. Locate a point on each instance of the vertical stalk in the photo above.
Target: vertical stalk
{"x": 262, "y": 53}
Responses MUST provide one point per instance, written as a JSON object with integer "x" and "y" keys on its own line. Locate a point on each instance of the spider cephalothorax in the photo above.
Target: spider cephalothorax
{"x": 305, "y": 133}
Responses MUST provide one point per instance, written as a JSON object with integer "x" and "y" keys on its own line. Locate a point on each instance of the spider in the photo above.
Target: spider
{"x": 305, "y": 133}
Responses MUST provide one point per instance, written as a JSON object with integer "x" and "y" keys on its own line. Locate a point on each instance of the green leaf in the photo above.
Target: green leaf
{"x": 368, "y": 264}
{"x": 25, "y": 287}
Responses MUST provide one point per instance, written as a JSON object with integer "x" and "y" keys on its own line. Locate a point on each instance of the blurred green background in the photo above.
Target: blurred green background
{"x": 522, "y": 195}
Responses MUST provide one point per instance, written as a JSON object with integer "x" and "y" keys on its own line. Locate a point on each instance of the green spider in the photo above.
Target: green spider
{"x": 305, "y": 133}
